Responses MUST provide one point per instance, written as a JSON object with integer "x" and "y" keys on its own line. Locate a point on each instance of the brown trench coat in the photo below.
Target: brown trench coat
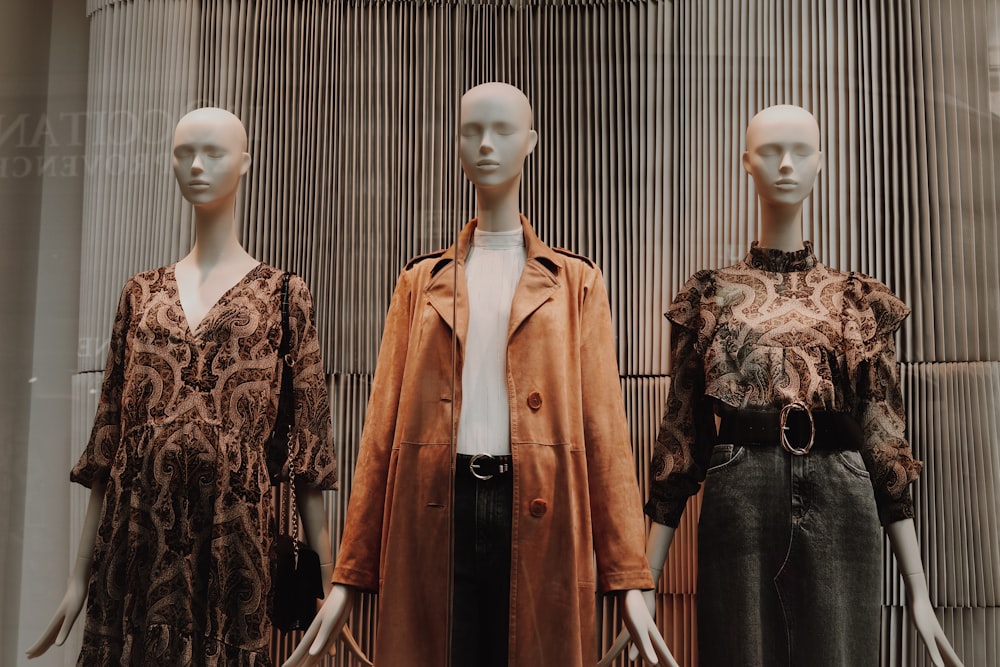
{"x": 575, "y": 492}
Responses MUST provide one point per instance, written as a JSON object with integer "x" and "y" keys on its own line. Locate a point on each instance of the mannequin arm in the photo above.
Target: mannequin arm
{"x": 317, "y": 530}
{"x": 657, "y": 546}
{"x": 79, "y": 579}
{"x": 330, "y": 622}
{"x": 316, "y": 526}
{"x": 903, "y": 540}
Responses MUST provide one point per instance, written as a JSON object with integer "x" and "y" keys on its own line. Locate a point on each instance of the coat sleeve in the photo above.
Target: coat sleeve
{"x": 615, "y": 505}
{"x": 358, "y": 560}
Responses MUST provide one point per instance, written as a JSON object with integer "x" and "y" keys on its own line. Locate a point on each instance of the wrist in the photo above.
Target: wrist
{"x": 915, "y": 586}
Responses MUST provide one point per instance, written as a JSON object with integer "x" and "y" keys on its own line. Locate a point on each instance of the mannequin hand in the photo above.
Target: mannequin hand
{"x": 649, "y": 597}
{"x": 635, "y": 611}
{"x": 352, "y": 644}
{"x": 927, "y": 624}
{"x": 624, "y": 637}
{"x": 322, "y": 633}
{"x": 62, "y": 621}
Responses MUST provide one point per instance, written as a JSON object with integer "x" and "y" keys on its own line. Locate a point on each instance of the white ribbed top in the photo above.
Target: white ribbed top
{"x": 492, "y": 269}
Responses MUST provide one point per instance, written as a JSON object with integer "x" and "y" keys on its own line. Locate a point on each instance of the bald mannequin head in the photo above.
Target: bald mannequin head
{"x": 209, "y": 155}
{"x": 782, "y": 117}
{"x": 495, "y": 135}
{"x": 225, "y": 125}
{"x": 782, "y": 154}
{"x": 495, "y": 92}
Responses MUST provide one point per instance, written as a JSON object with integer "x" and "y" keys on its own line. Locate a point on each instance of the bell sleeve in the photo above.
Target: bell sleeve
{"x": 687, "y": 430}
{"x": 315, "y": 462}
{"x": 94, "y": 464}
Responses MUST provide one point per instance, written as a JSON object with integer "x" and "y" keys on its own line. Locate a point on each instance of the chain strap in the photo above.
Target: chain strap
{"x": 287, "y": 386}
{"x": 291, "y": 493}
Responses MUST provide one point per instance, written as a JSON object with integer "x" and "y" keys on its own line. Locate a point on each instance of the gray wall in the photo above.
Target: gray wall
{"x": 43, "y": 75}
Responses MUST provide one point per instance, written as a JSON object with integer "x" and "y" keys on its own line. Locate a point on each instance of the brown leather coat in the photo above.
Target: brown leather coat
{"x": 575, "y": 493}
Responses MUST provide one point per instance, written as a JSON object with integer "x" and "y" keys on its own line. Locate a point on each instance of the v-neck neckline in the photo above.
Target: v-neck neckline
{"x": 195, "y": 331}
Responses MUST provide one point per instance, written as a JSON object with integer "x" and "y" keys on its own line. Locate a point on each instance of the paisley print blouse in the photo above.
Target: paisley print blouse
{"x": 181, "y": 571}
{"x": 775, "y": 328}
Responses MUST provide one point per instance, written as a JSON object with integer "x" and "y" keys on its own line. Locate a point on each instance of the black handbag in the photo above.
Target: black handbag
{"x": 297, "y": 579}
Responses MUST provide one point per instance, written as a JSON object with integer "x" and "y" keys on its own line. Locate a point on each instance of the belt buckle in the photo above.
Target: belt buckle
{"x": 474, "y": 464}
{"x": 784, "y": 428}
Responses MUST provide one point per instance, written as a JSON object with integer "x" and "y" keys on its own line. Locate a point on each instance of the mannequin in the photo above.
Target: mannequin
{"x": 783, "y": 157}
{"x": 173, "y": 442}
{"x": 400, "y": 537}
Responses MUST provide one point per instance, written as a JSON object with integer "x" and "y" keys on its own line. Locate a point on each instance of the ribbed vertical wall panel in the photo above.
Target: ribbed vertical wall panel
{"x": 730, "y": 60}
{"x": 931, "y": 142}
{"x": 931, "y": 146}
{"x": 142, "y": 76}
{"x": 350, "y": 108}
{"x": 641, "y": 107}
{"x": 954, "y": 426}
{"x": 974, "y": 632}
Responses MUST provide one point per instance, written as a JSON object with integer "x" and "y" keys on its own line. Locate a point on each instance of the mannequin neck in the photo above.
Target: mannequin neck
{"x": 781, "y": 226}
{"x": 216, "y": 244}
{"x": 498, "y": 209}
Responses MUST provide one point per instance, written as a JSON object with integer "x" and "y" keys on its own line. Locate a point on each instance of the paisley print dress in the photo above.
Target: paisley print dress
{"x": 789, "y": 550}
{"x": 181, "y": 573}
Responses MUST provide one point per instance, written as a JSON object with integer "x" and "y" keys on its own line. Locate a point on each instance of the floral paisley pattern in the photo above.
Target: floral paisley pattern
{"x": 181, "y": 572}
{"x": 775, "y": 328}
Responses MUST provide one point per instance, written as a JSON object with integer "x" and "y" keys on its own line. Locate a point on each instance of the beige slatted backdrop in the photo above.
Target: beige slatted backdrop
{"x": 640, "y": 108}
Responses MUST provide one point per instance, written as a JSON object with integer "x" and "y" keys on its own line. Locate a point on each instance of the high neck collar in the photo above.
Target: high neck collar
{"x": 534, "y": 246}
{"x": 513, "y": 238}
{"x": 781, "y": 261}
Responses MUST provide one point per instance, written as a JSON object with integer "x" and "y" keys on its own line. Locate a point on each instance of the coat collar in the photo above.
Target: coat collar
{"x": 535, "y": 247}
{"x": 538, "y": 281}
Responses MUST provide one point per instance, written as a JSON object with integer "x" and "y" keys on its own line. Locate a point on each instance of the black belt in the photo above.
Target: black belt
{"x": 796, "y": 427}
{"x": 484, "y": 466}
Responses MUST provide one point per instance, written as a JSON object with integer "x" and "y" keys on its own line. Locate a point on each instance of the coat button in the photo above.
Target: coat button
{"x": 538, "y": 508}
{"x": 534, "y": 400}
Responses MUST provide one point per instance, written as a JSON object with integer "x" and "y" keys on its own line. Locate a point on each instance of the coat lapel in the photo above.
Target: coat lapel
{"x": 451, "y": 305}
{"x": 535, "y": 287}
{"x": 539, "y": 280}
{"x": 448, "y": 293}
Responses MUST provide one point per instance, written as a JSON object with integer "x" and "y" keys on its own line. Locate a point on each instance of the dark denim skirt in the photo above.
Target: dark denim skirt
{"x": 789, "y": 560}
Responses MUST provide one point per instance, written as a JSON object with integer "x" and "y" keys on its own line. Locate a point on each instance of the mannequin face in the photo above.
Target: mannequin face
{"x": 783, "y": 155}
{"x": 495, "y": 135}
{"x": 209, "y": 155}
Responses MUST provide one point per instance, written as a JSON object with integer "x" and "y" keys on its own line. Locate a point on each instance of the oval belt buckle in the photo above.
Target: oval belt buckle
{"x": 473, "y": 465}
{"x": 783, "y": 428}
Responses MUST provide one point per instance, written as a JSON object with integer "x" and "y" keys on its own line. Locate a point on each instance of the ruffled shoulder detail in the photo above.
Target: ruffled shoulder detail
{"x": 871, "y": 315}
{"x": 695, "y": 308}
{"x": 872, "y": 311}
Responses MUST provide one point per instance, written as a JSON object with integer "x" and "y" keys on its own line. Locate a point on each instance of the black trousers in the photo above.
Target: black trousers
{"x": 481, "y": 592}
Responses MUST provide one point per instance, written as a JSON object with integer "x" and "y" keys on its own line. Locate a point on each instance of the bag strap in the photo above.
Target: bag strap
{"x": 287, "y": 399}
{"x": 286, "y": 335}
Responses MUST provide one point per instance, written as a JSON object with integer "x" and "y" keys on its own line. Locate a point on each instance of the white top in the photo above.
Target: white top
{"x": 492, "y": 269}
